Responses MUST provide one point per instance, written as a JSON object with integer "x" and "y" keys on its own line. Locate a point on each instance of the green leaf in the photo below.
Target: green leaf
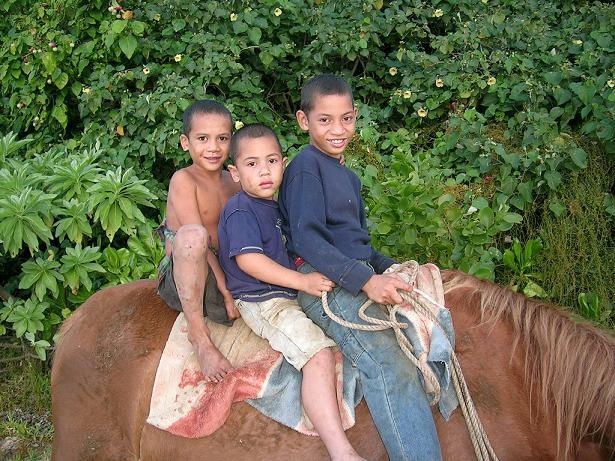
{"x": 265, "y": 58}
{"x": 480, "y": 202}
{"x": 118, "y": 26}
{"x": 533, "y": 290}
{"x": 486, "y": 217}
{"x": 383, "y": 228}
{"x": 128, "y": 45}
{"x": 178, "y": 24}
{"x": 557, "y": 208}
{"x": 554, "y": 78}
{"x": 579, "y": 157}
{"x": 61, "y": 81}
{"x": 49, "y": 61}
{"x": 562, "y": 96}
{"x": 59, "y": 113}
{"x": 553, "y": 179}
{"x": 255, "y": 34}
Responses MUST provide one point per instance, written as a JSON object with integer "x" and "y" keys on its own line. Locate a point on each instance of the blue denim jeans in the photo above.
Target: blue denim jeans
{"x": 391, "y": 385}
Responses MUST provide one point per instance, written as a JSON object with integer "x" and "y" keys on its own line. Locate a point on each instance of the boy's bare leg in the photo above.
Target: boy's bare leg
{"x": 190, "y": 274}
{"x": 319, "y": 398}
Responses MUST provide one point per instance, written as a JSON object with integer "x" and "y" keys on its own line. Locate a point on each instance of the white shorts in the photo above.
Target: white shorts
{"x": 288, "y": 330}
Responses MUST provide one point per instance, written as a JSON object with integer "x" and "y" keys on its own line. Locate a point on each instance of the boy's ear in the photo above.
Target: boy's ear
{"x": 284, "y": 162}
{"x": 302, "y": 120}
{"x": 232, "y": 169}
{"x": 183, "y": 140}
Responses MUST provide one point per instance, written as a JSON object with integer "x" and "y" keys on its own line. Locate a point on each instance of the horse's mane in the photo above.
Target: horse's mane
{"x": 570, "y": 365}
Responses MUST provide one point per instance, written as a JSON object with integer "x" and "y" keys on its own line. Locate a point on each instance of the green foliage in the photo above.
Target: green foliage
{"x": 473, "y": 122}
{"x": 522, "y": 262}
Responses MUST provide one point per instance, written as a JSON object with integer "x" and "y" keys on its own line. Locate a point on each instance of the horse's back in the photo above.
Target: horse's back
{"x": 102, "y": 378}
{"x": 103, "y": 372}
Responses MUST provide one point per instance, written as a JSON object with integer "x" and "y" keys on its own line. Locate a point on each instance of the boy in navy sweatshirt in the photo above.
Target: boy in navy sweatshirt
{"x": 324, "y": 221}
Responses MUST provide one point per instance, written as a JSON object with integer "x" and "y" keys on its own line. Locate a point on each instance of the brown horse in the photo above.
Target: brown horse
{"x": 543, "y": 384}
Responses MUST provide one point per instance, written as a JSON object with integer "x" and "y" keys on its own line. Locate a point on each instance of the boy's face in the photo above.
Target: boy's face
{"x": 259, "y": 167}
{"x": 208, "y": 141}
{"x": 330, "y": 123}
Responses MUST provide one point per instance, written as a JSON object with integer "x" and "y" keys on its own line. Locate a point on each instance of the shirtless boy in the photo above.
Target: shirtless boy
{"x": 190, "y": 277}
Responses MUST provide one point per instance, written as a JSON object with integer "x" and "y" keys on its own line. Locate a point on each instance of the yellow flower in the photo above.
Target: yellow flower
{"x": 439, "y": 82}
{"x": 233, "y": 17}
{"x": 611, "y": 83}
{"x": 178, "y": 57}
{"x": 87, "y": 90}
{"x": 145, "y": 70}
{"x": 277, "y": 12}
{"x": 157, "y": 17}
{"x": 407, "y": 94}
{"x": 491, "y": 81}
{"x": 128, "y": 14}
{"x": 393, "y": 71}
{"x": 484, "y": 1}
{"x": 397, "y": 92}
{"x": 422, "y": 112}
{"x": 438, "y": 13}
{"x": 238, "y": 124}
{"x": 577, "y": 42}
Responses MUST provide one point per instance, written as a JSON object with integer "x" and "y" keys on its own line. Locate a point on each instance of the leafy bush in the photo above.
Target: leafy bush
{"x": 472, "y": 115}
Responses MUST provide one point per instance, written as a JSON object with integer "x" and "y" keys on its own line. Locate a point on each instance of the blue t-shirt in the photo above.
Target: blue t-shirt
{"x": 324, "y": 219}
{"x": 252, "y": 225}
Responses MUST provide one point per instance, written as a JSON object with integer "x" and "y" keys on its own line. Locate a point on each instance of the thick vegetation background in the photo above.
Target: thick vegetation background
{"x": 485, "y": 141}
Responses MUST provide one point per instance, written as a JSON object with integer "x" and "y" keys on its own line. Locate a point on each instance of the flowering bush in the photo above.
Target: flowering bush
{"x": 470, "y": 113}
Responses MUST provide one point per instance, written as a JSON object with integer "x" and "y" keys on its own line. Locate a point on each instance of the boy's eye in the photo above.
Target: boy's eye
{"x": 202, "y": 138}
{"x": 273, "y": 160}
{"x": 348, "y": 118}
{"x": 251, "y": 163}
{"x": 224, "y": 138}
{"x": 323, "y": 120}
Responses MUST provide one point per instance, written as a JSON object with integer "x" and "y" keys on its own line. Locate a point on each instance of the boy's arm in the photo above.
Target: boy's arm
{"x": 311, "y": 238}
{"x": 183, "y": 200}
{"x": 265, "y": 269}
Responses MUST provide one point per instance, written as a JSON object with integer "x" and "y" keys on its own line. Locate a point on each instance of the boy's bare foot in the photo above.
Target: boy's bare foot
{"x": 213, "y": 364}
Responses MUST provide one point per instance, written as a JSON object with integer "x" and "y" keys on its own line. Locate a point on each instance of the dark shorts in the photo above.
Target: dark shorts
{"x": 213, "y": 302}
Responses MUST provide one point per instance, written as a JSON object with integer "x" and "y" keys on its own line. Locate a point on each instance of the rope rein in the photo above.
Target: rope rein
{"x": 417, "y": 299}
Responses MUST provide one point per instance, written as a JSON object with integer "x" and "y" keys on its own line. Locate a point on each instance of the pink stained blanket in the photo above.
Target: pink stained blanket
{"x": 185, "y": 405}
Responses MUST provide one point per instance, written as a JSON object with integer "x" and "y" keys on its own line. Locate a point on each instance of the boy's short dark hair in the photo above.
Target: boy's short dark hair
{"x": 252, "y": 131}
{"x": 322, "y": 85}
{"x": 204, "y": 106}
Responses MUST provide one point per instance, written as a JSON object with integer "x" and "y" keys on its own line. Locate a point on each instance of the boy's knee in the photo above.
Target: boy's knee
{"x": 191, "y": 236}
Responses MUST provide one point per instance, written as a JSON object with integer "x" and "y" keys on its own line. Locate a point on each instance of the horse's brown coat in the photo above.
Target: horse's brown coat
{"x": 105, "y": 363}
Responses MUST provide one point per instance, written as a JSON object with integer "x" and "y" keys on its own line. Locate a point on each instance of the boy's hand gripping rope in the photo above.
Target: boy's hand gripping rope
{"x": 417, "y": 298}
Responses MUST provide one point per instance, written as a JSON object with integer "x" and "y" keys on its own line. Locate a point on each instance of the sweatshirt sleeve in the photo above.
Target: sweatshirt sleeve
{"x": 312, "y": 240}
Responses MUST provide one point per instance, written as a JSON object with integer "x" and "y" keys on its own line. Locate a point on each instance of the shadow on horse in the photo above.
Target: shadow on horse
{"x": 543, "y": 385}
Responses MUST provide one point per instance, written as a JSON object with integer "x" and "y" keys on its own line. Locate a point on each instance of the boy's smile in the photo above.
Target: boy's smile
{"x": 330, "y": 123}
{"x": 259, "y": 166}
{"x": 208, "y": 141}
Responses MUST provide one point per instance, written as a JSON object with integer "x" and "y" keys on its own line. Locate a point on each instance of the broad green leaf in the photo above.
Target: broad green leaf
{"x": 265, "y": 57}
{"x": 59, "y": 113}
{"x": 554, "y": 78}
{"x": 255, "y": 34}
{"x": 486, "y": 217}
{"x": 128, "y": 45}
{"x": 579, "y": 157}
{"x": 118, "y": 26}
{"x": 178, "y": 24}
{"x": 557, "y": 208}
{"x": 553, "y": 179}
{"x": 61, "y": 81}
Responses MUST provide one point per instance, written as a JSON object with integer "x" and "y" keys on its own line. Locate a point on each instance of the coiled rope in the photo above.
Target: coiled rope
{"x": 417, "y": 299}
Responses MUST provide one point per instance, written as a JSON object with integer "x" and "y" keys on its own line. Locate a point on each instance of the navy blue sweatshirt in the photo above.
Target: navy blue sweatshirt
{"x": 324, "y": 219}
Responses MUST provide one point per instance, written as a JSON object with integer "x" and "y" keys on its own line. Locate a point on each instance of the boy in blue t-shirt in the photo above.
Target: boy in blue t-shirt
{"x": 324, "y": 220}
{"x": 263, "y": 282}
